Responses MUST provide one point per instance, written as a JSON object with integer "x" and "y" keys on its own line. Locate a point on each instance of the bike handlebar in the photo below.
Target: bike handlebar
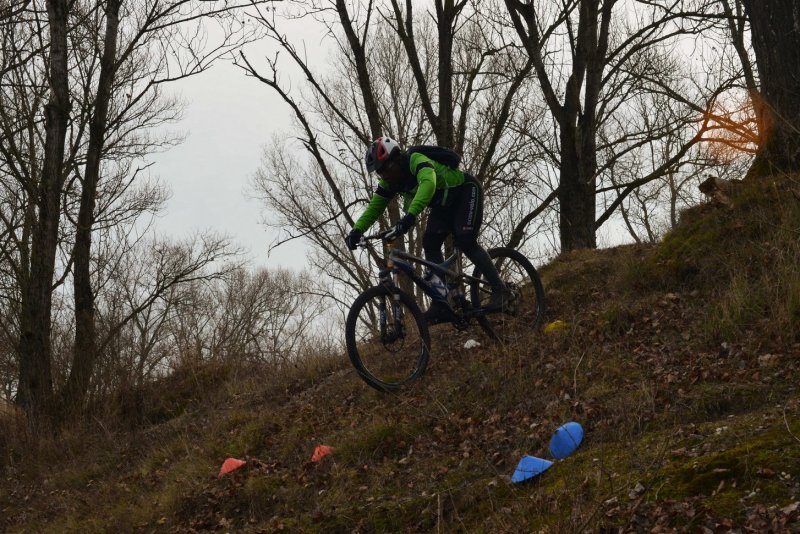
{"x": 384, "y": 236}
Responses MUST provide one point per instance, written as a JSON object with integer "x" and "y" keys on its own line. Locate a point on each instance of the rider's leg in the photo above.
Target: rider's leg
{"x": 436, "y": 231}
{"x": 467, "y": 220}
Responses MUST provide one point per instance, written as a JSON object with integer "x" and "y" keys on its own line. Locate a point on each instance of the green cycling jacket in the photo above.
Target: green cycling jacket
{"x": 427, "y": 184}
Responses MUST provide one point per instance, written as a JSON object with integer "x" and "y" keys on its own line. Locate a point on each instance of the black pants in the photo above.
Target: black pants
{"x": 462, "y": 217}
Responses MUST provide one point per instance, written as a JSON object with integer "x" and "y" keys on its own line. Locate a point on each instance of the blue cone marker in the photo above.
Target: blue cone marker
{"x": 529, "y": 467}
{"x": 566, "y": 440}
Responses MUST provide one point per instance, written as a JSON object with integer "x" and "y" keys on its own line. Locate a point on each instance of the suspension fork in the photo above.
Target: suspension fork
{"x": 389, "y": 279}
{"x": 397, "y": 306}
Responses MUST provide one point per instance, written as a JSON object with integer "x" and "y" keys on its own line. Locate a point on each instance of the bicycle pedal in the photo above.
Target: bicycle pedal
{"x": 460, "y": 324}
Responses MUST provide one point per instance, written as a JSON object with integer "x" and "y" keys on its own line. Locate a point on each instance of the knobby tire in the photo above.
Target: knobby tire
{"x": 533, "y": 282}
{"x": 357, "y": 351}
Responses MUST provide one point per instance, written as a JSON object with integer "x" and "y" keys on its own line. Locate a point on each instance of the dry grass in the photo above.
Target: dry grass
{"x": 681, "y": 361}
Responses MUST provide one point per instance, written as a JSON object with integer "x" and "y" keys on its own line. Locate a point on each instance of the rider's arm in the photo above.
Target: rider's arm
{"x": 426, "y": 183}
{"x": 377, "y": 204}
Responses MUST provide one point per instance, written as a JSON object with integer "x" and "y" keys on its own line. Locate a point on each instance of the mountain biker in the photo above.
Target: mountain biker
{"x": 456, "y": 202}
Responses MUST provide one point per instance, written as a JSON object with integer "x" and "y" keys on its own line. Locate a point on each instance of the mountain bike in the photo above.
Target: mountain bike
{"x": 388, "y": 340}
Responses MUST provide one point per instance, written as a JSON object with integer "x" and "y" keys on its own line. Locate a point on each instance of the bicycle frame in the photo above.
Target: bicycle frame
{"x": 400, "y": 261}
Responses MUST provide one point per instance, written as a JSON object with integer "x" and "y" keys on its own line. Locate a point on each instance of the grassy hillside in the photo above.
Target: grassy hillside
{"x": 680, "y": 360}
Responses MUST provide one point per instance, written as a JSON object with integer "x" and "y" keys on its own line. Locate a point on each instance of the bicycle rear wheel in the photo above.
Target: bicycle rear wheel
{"x": 526, "y": 312}
{"x": 387, "y": 339}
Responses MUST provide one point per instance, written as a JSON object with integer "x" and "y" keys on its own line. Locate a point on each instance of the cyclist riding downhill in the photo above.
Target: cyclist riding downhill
{"x": 456, "y": 201}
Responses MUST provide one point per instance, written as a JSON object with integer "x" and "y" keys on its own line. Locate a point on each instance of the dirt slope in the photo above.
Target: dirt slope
{"x": 680, "y": 360}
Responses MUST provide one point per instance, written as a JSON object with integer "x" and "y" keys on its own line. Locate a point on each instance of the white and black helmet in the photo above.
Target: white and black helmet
{"x": 380, "y": 152}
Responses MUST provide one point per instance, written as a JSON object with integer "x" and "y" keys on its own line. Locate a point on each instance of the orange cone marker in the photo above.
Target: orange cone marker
{"x": 231, "y": 464}
{"x": 321, "y": 452}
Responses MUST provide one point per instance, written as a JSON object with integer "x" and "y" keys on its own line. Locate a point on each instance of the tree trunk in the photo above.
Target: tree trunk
{"x": 35, "y": 380}
{"x": 446, "y": 13}
{"x": 737, "y": 29}
{"x": 576, "y": 117}
{"x": 776, "y": 41}
{"x": 85, "y": 352}
{"x": 577, "y": 185}
{"x": 576, "y": 192}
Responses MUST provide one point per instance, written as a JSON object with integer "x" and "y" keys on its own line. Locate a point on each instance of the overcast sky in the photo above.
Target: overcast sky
{"x": 227, "y": 120}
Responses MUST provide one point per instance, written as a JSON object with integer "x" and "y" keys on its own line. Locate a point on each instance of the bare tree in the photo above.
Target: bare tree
{"x": 85, "y": 335}
{"x": 776, "y": 42}
{"x": 36, "y": 384}
{"x": 600, "y": 47}
{"x": 457, "y": 94}
{"x": 737, "y": 29}
{"x": 142, "y": 296}
{"x": 236, "y": 317}
{"x": 106, "y": 66}
{"x": 174, "y": 31}
{"x": 264, "y": 316}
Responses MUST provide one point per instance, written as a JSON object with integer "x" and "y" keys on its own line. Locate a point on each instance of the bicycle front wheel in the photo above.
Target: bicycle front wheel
{"x": 526, "y": 312}
{"x": 387, "y": 338}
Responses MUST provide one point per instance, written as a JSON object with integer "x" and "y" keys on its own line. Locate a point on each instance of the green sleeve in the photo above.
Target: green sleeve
{"x": 377, "y": 205}
{"x": 426, "y": 188}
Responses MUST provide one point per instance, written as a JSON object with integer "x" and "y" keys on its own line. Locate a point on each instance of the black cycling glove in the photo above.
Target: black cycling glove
{"x": 402, "y": 226}
{"x": 353, "y": 238}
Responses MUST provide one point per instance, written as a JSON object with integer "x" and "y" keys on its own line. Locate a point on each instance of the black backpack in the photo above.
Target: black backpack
{"x": 440, "y": 154}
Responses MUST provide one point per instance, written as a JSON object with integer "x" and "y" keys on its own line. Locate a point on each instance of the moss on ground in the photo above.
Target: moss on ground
{"x": 641, "y": 366}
